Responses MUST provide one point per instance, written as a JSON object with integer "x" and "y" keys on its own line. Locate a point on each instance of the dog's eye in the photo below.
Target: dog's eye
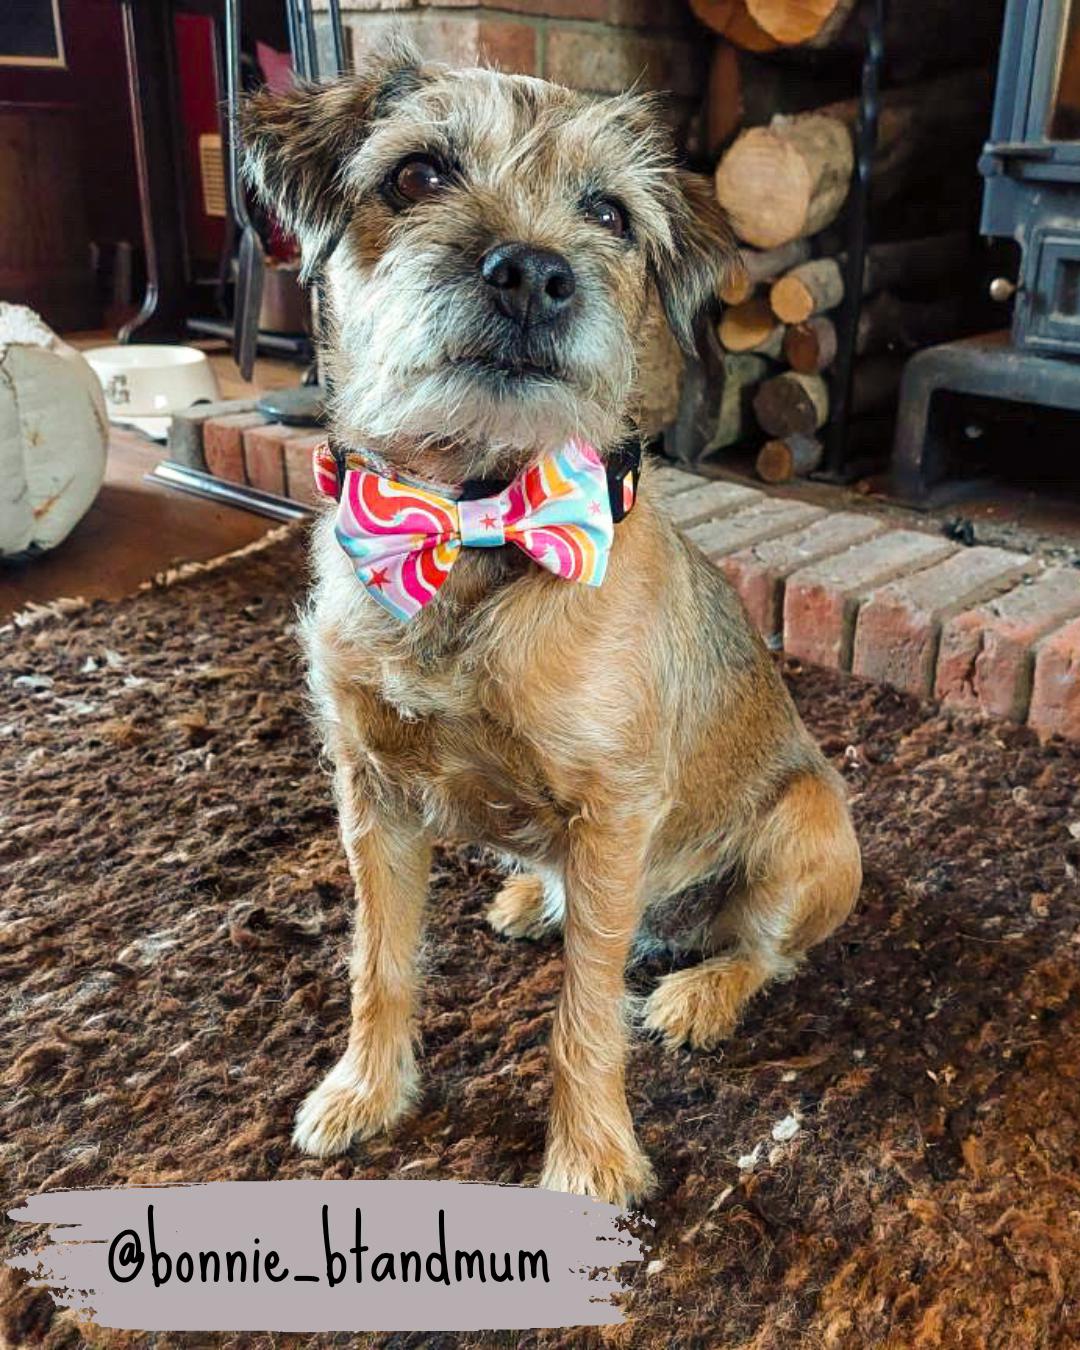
{"x": 609, "y": 215}
{"x": 419, "y": 179}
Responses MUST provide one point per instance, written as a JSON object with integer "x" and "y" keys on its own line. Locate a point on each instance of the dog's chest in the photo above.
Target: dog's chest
{"x": 441, "y": 743}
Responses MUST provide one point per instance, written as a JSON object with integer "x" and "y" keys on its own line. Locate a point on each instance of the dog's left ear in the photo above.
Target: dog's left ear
{"x": 297, "y": 145}
{"x": 702, "y": 254}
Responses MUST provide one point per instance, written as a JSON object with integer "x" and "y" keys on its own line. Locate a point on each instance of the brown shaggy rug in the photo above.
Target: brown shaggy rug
{"x": 173, "y": 930}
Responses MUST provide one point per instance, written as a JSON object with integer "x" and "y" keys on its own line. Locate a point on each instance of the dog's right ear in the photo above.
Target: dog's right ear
{"x": 297, "y": 145}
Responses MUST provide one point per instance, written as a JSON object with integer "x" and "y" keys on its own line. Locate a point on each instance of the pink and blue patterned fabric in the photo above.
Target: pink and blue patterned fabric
{"x": 403, "y": 540}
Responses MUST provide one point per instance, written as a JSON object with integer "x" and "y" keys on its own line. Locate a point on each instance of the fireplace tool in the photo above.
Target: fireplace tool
{"x": 250, "y": 262}
{"x": 303, "y": 405}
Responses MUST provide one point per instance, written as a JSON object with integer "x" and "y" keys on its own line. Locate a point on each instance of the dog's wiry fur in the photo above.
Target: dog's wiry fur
{"x": 618, "y": 745}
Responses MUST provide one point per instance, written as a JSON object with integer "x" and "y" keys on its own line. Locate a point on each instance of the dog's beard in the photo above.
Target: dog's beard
{"x": 419, "y": 360}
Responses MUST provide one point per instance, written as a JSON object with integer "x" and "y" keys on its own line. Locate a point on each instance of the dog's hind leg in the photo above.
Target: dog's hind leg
{"x": 527, "y": 906}
{"x": 802, "y": 876}
{"x": 374, "y": 1082}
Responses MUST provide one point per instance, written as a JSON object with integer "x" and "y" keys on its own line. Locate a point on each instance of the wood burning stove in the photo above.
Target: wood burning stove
{"x": 1032, "y": 169}
{"x": 1031, "y": 164}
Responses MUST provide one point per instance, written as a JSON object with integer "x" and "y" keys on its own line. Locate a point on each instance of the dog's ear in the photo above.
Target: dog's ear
{"x": 297, "y": 145}
{"x": 701, "y": 255}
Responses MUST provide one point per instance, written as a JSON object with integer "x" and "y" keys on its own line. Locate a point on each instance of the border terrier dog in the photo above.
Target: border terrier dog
{"x": 490, "y": 249}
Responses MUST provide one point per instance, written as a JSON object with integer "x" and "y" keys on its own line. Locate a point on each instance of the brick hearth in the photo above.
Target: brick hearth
{"x": 982, "y": 629}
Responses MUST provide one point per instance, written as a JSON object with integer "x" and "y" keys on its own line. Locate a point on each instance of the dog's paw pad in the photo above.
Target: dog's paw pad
{"x": 343, "y": 1108}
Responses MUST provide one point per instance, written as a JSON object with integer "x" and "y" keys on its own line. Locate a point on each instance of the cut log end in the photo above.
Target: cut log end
{"x": 809, "y": 289}
{"x": 779, "y": 461}
{"x": 749, "y": 327}
{"x": 792, "y": 405}
{"x": 732, "y": 20}
{"x": 763, "y": 184}
{"x": 793, "y": 22}
{"x": 810, "y": 347}
{"x": 787, "y": 180}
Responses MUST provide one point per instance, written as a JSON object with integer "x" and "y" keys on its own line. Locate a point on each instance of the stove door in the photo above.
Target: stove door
{"x": 1047, "y": 316}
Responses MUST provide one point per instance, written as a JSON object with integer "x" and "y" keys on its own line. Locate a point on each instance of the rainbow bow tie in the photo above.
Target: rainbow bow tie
{"x": 403, "y": 540}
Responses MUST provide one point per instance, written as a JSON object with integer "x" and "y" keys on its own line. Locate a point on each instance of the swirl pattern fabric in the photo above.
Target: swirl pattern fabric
{"x": 404, "y": 539}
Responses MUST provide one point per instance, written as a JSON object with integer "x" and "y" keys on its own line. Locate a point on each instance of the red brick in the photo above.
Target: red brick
{"x": 899, "y": 626}
{"x": 764, "y": 520}
{"x": 223, "y": 444}
{"x": 511, "y": 47}
{"x": 821, "y": 601}
{"x": 456, "y": 38}
{"x": 264, "y": 456}
{"x": 710, "y": 501}
{"x": 299, "y": 480}
{"x": 608, "y": 60}
{"x": 987, "y": 659}
{"x": 667, "y": 481}
{"x": 1055, "y": 690}
{"x": 758, "y": 573}
{"x": 186, "y": 428}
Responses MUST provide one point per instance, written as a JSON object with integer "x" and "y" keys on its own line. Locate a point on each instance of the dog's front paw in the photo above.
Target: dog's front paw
{"x": 346, "y": 1106}
{"x": 621, "y": 1176}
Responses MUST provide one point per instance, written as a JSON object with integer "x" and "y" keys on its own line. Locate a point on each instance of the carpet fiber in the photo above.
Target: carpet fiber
{"x": 174, "y": 911}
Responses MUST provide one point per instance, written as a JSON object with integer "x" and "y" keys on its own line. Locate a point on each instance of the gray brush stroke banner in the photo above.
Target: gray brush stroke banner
{"x": 102, "y": 1232}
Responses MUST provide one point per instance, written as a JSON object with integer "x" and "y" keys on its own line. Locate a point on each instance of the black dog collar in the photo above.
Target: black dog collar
{"x": 623, "y": 468}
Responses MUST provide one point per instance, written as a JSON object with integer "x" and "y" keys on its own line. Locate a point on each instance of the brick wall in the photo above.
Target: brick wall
{"x": 599, "y": 46}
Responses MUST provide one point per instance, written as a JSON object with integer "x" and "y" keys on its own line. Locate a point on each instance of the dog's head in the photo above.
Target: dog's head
{"x": 490, "y": 245}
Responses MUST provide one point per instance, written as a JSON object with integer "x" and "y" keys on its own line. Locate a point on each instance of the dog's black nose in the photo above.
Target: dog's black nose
{"x": 530, "y": 285}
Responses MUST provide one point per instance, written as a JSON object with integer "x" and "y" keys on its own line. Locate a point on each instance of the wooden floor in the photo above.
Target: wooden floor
{"x": 135, "y": 529}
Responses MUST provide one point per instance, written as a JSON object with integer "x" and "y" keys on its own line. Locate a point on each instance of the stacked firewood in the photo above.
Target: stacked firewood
{"x": 785, "y": 165}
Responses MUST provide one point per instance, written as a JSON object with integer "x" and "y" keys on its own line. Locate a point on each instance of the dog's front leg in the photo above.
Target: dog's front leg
{"x": 591, "y": 1145}
{"x": 375, "y": 1080}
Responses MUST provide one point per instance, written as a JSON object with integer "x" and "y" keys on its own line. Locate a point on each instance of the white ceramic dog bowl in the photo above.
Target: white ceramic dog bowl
{"x": 145, "y": 385}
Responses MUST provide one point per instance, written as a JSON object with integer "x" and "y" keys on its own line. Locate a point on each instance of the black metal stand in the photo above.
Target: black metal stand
{"x": 837, "y": 468}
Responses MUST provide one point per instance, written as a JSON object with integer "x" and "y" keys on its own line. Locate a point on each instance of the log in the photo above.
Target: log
{"x": 731, "y": 20}
{"x": 787, "y": 180}
{"x": 751, "y": 327}
{"x": 923, "y": 30}
{"x": 792, "y": 405}
{"x": 810, "y": 347}
{"x": 760, "y": 267}
{"x": 885, "y": 324}
{"x": 915, "y": 262}
{"x": 734, "y": 419}
{"x": 812, "y": 288}
{"x": 796, "y": 22}
{"x": 746, "y": 91}
{"x": 779, "y": 461}
{"x": 791, "y": 178}
{"x": 817, "y": 286}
